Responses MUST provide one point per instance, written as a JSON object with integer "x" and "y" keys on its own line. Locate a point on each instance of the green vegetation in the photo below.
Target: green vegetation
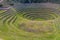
{"x": 1, "y": 5}
{"x": 21, "y": 26}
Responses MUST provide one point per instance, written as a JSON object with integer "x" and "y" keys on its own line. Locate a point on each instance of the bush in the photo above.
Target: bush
{"x": 11, "y": 4}
{"x": 1, "y": 5}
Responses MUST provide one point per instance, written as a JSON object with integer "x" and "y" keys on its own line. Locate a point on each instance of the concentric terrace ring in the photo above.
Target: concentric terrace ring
{"x": 42, "y": 19}
{"x": 41, "y": 14}
{"x": 43, "y": 11}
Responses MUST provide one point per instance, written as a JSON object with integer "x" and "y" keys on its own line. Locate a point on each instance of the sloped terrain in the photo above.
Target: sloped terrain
{"x": 30, "y": 23}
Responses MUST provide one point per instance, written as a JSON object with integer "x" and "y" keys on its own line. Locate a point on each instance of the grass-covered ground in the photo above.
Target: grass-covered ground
{"x": 16, "y": 26}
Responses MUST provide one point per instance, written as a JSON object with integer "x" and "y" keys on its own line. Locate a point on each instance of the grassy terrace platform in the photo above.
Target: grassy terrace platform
{"x": 30, "y": 24}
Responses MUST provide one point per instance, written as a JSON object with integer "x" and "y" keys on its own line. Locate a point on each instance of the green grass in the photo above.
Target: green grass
{"x": 12, "y": 31}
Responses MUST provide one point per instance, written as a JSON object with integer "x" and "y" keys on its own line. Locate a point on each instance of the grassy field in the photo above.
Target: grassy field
{"x": 21, "y": 26}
